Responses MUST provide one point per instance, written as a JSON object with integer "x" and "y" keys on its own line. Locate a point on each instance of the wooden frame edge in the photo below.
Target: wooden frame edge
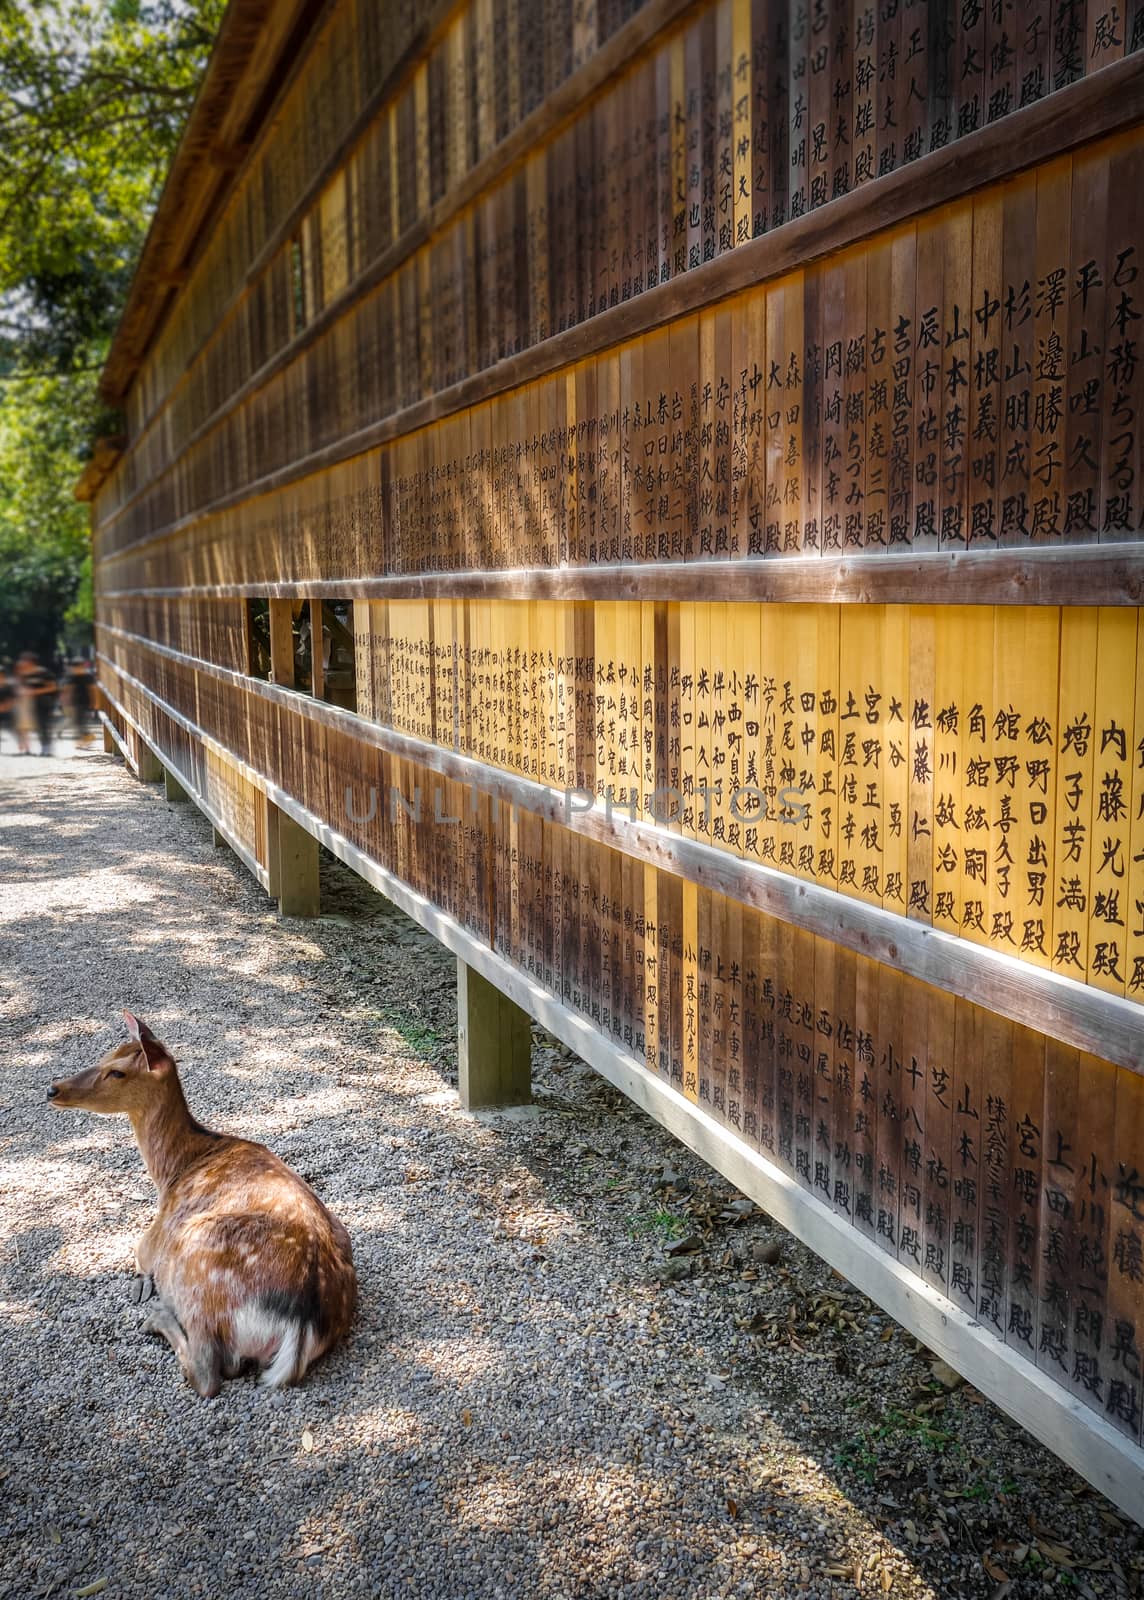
{"x": 1110, "y": 574}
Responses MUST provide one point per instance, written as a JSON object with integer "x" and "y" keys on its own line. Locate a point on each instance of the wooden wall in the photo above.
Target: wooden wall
{"x": 724, "y": 420}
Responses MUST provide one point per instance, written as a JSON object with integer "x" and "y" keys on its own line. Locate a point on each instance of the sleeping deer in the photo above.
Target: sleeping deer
{"x": 249, "y": 1265}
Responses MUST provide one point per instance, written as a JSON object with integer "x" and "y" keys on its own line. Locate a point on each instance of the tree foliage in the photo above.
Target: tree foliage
{"x": 93, "y": 97}
{"x": 43, "y": 530}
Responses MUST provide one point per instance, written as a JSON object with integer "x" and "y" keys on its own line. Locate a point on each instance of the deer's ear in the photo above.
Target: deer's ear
{"x": 138, "y": 1030}
{"x": 156, "y": 1054}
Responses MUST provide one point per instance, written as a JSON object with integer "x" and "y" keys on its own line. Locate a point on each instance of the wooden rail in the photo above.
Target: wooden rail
{"x": 1101, "y": 575}
{"x": 1055, "y": 1004}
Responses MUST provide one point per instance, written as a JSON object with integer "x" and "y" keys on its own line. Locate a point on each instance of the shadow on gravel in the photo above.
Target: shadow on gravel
{"x": 470, "y": 1438}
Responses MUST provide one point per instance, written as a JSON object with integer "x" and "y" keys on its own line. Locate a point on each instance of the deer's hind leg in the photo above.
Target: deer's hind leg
{"x": 147, "y": 1250}
{"x": 200, "y": 1359}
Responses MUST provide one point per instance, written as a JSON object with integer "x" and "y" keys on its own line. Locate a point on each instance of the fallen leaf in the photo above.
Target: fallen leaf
{"x": 887, "y": 1580}
{"x": 943, "y": 1373}
{"x": 998, "y": 1574}
{"x": 732, "y": 1507}
{"x": 1057, "y": 1553}
{"x": 466, "y": 1418}
{"x": 307, "y": 1440}
{"x": 97, "y": 1587}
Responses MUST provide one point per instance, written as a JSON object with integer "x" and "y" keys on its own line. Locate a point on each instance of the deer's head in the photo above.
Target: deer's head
{"x": 127, "y": 1079}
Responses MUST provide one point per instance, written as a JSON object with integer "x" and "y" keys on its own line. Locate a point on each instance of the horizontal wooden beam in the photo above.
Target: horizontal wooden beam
{"x": 1107, "y": 1458}
{"x": 1109, "y": 101}
{"x": 1087, "y": 1018}
{"x": 1051, "y": 575}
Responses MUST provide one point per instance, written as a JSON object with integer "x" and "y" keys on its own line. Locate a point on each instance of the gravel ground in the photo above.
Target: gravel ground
{"x": 538, "y": 1399}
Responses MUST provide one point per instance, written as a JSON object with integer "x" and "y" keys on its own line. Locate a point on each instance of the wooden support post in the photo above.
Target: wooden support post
{"x": 317, "y": 662}
{"x": 293, "y": 865}
{"x": 219, "y": 840}
{"x": 110, "y": 748}
{"x": 172, "y": 788}
{"x": 494, "y": 1044}
{"x": 148, "y": 765}
{"x": 282, "y": 643}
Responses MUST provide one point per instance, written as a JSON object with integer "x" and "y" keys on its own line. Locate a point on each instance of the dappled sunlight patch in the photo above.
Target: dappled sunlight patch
{"x": 98, "y": 1248}
{"x": 17, "y": 1314}
{"x": 41, "y": 1058}
{"x": 533, "y": 1223}
{"x": 371, "y": 1215}
{"x": 159, "y": 933}
{"x": 72, "y": 830}
{"x": 42, "y": 1178}
{"x": 302, "y": 949}
{"x": 105, "y": 889}
{"x": 324, "y": 1101}
{"x": 16, "y": 999}
{"x": 440, "y": 1100}
{"x": 456, "y": 1360}
{"x": 23, "y": 819}
{"x": 57, "y": 1055}
{"x": 374, "y": 1429}
{"x": 65, "y": 1032}
{"x": 610, "y": 1495}
{"x": 276, "y": 1050}
{"x": 245, "y": 962}
{"x": 89, "y": 1198}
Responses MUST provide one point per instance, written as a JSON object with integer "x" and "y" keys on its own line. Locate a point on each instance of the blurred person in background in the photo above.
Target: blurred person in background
{"x": 79, "y": 685}
{"x": 35, "y": 703}
{"x": 7, "y": 701}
